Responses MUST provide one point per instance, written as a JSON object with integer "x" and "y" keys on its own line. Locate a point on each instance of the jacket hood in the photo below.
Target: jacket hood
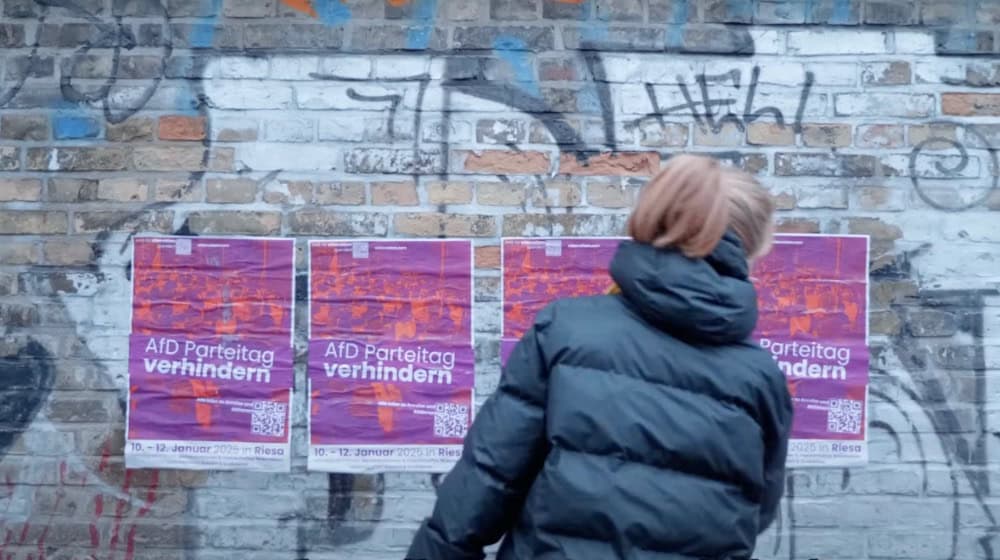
{"x": 709, "y": 300}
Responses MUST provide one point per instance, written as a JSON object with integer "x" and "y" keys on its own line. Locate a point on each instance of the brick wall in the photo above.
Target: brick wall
{"x": 477, "y": 118}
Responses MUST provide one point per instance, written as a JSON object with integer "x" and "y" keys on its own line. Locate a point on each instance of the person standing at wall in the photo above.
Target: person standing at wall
{"x": 643, "y": 423}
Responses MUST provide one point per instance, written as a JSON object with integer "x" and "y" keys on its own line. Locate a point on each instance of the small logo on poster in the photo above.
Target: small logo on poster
{"x": 359, "y": 250}
{"x": 553, "y": 248}
{"x": 183, "y": 247}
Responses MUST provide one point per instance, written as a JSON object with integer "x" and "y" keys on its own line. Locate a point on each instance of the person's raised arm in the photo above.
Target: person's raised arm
{"x": 481, "y": 497}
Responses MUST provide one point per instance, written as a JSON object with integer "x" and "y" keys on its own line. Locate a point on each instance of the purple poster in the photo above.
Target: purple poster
{"x": 210, "y": 353}
{"x": 813, "y": 294}
{"x": 538, "y": 271}
{"x": 391, "y": 364}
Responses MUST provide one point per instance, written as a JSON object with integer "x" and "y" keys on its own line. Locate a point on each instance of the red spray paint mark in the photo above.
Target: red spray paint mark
{"x": 120, "y": 514}
{"x": 48, "y": 525}
{"x": 130, "y": 544}
{"x": 105, "y": 457}
{"x": 95, "y": 537}
{"x": 146, "y": 507}
{"x": 9, "y": 483}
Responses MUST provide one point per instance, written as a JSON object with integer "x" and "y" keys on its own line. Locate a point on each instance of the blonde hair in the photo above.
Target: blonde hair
{"x": 693, "y": 201}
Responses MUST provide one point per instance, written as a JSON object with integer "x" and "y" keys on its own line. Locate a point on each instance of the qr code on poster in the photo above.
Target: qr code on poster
{"x": 844, "y": 416}
{"x": 451, "y": 420}
{"x": 268, "y": 418}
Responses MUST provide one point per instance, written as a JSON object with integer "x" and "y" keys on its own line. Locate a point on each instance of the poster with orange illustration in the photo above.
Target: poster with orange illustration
{"x": 391, "y": 364}
{"x": 813, "y": 302}
{"x": 538, "y": 271}
{"x": 210, "y": 353}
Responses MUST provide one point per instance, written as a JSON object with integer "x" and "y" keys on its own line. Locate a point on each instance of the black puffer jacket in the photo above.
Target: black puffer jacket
{"x": 641, "y": 426}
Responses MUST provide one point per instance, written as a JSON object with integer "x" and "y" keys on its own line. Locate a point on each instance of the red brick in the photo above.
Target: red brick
{"x": 971, "y": 104}
{"x": 874, "y": 227}
{"x": 563, "y": 194}
{"x": 20, "y": 189}
{"x": 770, "y": 134}
{"x": 797, "y": 225}
{"x": 252, "y": 223}
{"x": 605, "y": 195}
{"x": 448, "y": 225}
{"x": 340, "y": 193}
{"x": 558, "y": 70}
{"x": 68, "y": 252}
{"x": 395, "y": 194}
{"x": 444, "y": 192}
{"x": 26, "y": 222}
{"x": 181, "y": 127}
{"x": 500, "y": 194}
{"x": 503, "y": 161}
{"x": 488, "y": 257}
{"x": 880, "y": 136}
{"x": 623, "y": 163}
{"x": 826, "y": 135}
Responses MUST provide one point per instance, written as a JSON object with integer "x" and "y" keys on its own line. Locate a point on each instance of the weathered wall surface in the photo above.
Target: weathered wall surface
{"x": 479, "y": 118}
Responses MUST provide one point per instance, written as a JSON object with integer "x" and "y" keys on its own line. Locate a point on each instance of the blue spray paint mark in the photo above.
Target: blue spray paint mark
{"x": 841, "y": 12}
{"x": 513, "y": 51}
{"x": 588, "y": 101}
{"x": 419, "y": 36}
{"x": 332, "y": 12}
{"x": 203, "y": 34}
{"x": 675, "y": 30}
{"x": 74, "y": 127}
{"x": 594, "y": 31}
{"x": 202, "y": 37}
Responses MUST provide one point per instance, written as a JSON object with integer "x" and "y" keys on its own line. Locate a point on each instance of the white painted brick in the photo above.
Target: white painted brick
{"x": 622, "y": 67}
{"x": 400, "y": 67}
{"x": 632, "y": 99}
{"x": 768, "y": 41}
{"x": 872, "y": 513}
{"x": 237, "y": 67}
{"x": 669, "y": 71}
{"x": 294, "y": 67}
{"x": 244, "y": 94}
{"x": 220, "y": 123}
{"x": 832, "y": 42}
{"x": 824, "y": 545}
{"x": 354, "y": 67}
{"x": 458, "y": 131}
{"x": 343, "y": 127}
{"x": 262, "y": 156}
{"x": 931, "y": 165}
{"x": 830, "y": 196}
{"x": 914, "y": 42}
{"x": 884, "y": 104}
{"x": 338, "y": 96}
{"x": 912, "y": 545}
{"x": 834, "y": 73}
{"x": 434, "y": 100}
{"x": 289, "y": 130}
{"x": 779, "y": 73}
{"x": 973, "y": 228}
{"x": 938, "y": 70}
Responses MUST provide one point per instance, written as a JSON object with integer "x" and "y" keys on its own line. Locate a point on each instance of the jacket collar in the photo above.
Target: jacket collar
{"x": 709, "y": 300}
